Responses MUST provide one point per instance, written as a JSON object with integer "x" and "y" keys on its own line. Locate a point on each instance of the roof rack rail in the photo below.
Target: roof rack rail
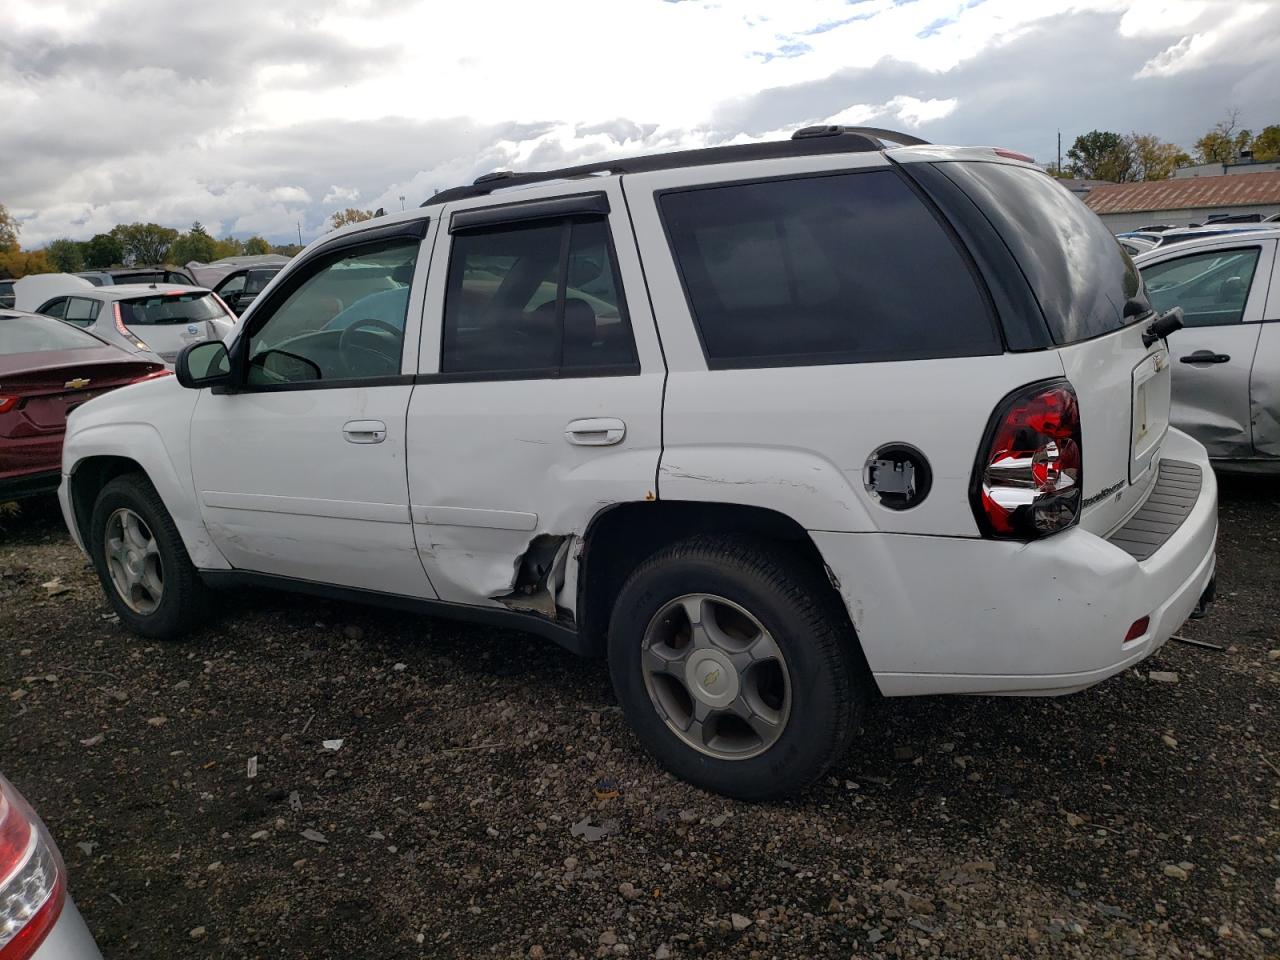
{"x": 829, "y": 140}
{"x": 879, "y": 133}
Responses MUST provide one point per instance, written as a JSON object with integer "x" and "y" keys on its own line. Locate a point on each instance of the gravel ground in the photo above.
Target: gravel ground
{"x": 462, "y": 814}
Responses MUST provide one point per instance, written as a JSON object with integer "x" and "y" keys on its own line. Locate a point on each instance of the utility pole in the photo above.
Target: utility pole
{"x": 299, "y": 222}
{"x": 1059, "y": 153}
{"x": 402, "y": 203}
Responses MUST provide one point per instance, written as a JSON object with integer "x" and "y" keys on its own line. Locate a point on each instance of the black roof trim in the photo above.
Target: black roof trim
{"x": 575, "y": 205}
{"x": 822, "y": 140}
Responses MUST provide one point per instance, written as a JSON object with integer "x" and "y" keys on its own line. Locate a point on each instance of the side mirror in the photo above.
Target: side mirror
{"x": 204, "y": 364}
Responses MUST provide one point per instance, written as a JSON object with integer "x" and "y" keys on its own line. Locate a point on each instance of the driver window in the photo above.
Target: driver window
{"x": 1211, "y": 288}
{"x": 344, "y": 322}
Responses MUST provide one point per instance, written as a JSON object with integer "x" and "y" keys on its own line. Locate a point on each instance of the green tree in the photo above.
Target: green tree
{"x": 256, "y": 246}
{"x": 195, "y": 244}
{"x": 144, "y": 243}
{"x": 67, "y": 256}
{"x": 9, "y": 230}
{"x": 102, "y": 251}
{"x": 1101, "y": 155}
{"x": 1266, "y": 145}
{"x": 350, "y": 215}
{"x": 1153, "y": 158}
{"x": 228, "y": 247}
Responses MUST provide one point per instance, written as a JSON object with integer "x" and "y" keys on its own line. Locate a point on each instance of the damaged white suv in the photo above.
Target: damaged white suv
{"x": 770, "y": 426}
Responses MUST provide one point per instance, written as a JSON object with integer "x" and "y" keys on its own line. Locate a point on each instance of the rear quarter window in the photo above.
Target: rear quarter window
{"x": 1078, "y": 272}
{"x": 842, "y": 268}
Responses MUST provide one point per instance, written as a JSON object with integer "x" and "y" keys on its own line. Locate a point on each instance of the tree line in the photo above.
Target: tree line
{"x": 1128, "y": 158}
{"x": 125, "y": 243}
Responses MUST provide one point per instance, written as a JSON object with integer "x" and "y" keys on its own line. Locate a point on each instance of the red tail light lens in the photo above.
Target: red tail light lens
{"x": 7, "y": 404}
{"x": 128, "y": 334}
{"x": 1028, "y": 479}
{"x": 32, "y": 878}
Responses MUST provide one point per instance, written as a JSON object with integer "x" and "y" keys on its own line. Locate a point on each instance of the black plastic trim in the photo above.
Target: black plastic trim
{"x": 814, "y": 146}
{"x": 563, "y": 634}
{"x": 392, "y": 380}
{"x": 542, "y": 373}
{"x": 1016, "y": 305}
{"x": 579, "y": 204}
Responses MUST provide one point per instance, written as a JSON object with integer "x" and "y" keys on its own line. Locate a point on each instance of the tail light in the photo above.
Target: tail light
{"x": 32, "y": 879}
{"x": 128, "y": 334}
{"x": 1028, "y": 478}
{"x": 7, "y": 403}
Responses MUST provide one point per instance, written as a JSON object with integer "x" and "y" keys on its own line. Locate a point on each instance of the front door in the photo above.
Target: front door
{"x": 1221, "y": 292}
{"x": 300, "y": 469}
{"x": 540, "y": 401}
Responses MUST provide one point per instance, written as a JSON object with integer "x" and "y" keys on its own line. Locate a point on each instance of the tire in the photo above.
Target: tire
{"x": 183, "y": 600}
{"x": 779, "y": 593}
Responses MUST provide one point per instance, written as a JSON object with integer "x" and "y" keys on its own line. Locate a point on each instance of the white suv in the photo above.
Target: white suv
{"x": 771, "y": 426}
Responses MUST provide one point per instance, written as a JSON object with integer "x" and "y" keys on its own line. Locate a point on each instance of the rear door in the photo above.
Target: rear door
{"x": 539, "y": 400}
{"x": 1222, "y": 290}
{"x": 1264, "y": 381}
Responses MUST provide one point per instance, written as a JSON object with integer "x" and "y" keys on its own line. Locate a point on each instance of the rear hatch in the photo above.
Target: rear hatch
{"x": 167, "y": 321}
{"x": 1083, "y": 280}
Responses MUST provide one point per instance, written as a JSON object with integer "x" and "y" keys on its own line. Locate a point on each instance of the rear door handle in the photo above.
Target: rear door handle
{"x": 1206, "y": 356}
{"x": 364, "y": 431}
{"x": 596, "y": 432}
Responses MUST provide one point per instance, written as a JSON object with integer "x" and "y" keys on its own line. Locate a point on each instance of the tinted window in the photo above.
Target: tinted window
{"x": 834, "y": 269}
{"x": 1078, "y": 272}
{"x": 34, "y": 334}
{"x": 538, "y": 297}
{"x": 54, "y": 308}
{"x": 344, "y": 320}
{"x": 171, "y": 308}
{"x": 1211, "y": 288}
{"x": 81, "y": 311}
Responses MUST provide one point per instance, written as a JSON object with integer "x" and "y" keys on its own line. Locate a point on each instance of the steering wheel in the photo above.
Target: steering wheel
{"x": 374, "y": 332}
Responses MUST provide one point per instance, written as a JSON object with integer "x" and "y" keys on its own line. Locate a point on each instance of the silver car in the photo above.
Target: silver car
{"x": 1226, "y": 376}
{"x": 38, "y": 919}
{"x": 159, "y": 318}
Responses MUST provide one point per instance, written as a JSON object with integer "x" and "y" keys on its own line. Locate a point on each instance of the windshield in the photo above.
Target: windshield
{"x": 1078, "y": 271}
{"x": 38, "y": 334}
{"x": 171, "y": 308}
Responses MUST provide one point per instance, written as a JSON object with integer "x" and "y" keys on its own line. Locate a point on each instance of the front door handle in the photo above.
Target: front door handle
{"x": 1206, "y": 356}
{"x": 596, "y": 431}
{"x": 364, "y": 431}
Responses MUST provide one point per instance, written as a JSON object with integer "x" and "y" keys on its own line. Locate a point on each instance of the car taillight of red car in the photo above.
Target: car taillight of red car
{"x": 1029, "y": 475}
{"x": 32, "y": 878}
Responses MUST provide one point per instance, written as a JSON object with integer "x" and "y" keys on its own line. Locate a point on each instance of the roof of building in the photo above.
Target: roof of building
{"x": 1193, "y": 193}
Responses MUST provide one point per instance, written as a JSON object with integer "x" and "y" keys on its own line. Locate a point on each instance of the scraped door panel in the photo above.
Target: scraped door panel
{"x": 539, "y": 402}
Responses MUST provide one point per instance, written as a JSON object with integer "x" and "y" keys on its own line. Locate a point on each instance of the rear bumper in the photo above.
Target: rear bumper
{"x": 963, "y": 615}
{"x": 69, "y": 939}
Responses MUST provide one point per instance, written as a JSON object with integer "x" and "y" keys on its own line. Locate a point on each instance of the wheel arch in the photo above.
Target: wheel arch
{"x": 622, "y": 536}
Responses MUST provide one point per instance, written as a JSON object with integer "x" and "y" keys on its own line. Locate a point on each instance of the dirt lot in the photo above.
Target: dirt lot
{"x": 1141, "y": 818}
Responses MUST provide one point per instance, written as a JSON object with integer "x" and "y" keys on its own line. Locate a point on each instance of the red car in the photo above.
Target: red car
{"x": 47, "y": 369}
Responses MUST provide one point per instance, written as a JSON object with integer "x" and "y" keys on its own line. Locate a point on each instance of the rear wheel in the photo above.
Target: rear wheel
{"x": 142, "y": 562}
{"x": 736, "y": 666}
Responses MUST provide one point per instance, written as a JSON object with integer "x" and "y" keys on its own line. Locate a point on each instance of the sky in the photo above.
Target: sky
{"x": 265, "y": 118}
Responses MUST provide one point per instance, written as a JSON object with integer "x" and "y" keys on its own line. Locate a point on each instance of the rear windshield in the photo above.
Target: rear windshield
{"x": 37, "y": 334}
{"x": 171, "y": 308}
{"x": 1077, "y": 269}
{"x": 844, "y": 268}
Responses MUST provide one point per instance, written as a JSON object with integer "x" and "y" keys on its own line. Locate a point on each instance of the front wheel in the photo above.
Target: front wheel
{"x": 142, "y": 562}
{"x": 736, "y": 666}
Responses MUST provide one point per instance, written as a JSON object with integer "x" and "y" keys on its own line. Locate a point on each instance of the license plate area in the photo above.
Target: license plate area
{"x": 1149, "y": 412}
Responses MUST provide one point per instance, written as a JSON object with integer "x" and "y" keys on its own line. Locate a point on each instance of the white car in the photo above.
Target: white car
{"x": 1226, "y": 382}
{"x": 147, "y": 318}
{"x": 769, "y": 426}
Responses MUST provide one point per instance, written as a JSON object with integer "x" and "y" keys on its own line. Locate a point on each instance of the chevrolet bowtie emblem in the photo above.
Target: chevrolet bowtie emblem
{"x": 710, "y": 679}
{"x": 79, "y": 383}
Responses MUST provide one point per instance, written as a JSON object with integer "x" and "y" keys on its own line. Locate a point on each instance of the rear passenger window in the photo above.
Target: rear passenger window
{"x": 539, "y": 298}
{"x": 846, "y": 268}
{"x": 54, "y": 308}
{"x": 81, "y": 311}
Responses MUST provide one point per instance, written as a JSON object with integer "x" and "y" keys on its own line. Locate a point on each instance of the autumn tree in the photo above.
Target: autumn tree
{"x": 257, "y": 246}
{"x": 1154, "y": 159}
{"x": 349, "y": 215}
{"x": 144, "y": 243}
{"x": 1224, "y": 142}
{"x": 22, "y": 263}
{"x": 9, "y": 230}
{"x": 1266, "y": 145}
{"x": 65, "y": 255}
{"x": 1101, "y": 155}
{"x": 102, "y": 251}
